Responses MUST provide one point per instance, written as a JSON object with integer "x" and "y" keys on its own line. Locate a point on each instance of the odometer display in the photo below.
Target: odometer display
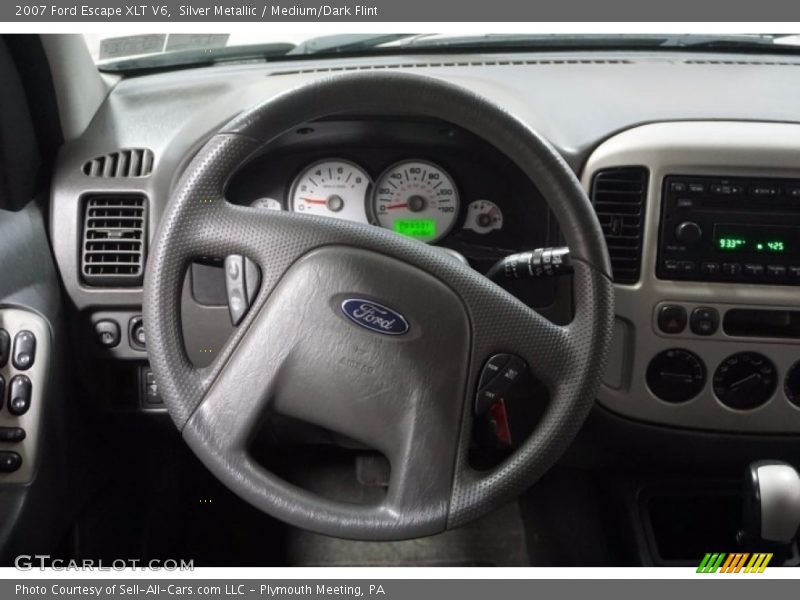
{"x": 416, "y": 198}
{"x": 417, "y": 228}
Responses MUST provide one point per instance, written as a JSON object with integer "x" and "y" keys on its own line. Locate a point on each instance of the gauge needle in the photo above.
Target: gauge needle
{"x": 391, "y": 206}
{"x": 748, "y": 379}
{"x": 315, "y": 200}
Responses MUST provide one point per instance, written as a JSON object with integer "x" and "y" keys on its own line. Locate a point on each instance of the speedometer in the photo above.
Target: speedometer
{"x": 416, "y": 198}
{"x": 332, "y": 188}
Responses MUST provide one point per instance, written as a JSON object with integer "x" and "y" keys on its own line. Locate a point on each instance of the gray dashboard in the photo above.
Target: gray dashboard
{"x": 715, "y": 114}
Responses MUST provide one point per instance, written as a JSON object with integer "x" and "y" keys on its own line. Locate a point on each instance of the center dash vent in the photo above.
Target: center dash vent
{"x": 619, "y": 196}
{"x": 114, "y": 229}
{"x": 130, "y": 162}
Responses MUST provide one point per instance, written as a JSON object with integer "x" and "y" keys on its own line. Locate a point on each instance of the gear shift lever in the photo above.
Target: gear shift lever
{"x": 771, "y": 507}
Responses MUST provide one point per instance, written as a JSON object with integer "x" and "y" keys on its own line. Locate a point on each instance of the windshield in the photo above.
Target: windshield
{"x": 149, "y": 51}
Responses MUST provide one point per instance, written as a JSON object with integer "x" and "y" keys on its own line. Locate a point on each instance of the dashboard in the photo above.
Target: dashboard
{"x": 641, "y": 132}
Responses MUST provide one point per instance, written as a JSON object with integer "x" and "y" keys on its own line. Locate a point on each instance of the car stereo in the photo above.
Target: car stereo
{"x": 730, "y": 229}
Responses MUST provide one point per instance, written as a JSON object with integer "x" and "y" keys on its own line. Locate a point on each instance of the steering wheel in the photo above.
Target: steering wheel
{"x": 300, "y": 353}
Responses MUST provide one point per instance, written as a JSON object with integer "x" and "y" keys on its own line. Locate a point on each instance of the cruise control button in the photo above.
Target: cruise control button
{"x": 704, "y": 320}
{"x": 500, "y": 384}
{"x": 12, "y": 434}
{"x": 492, "y": 368}
{"x": 9, "y": 462}
{"x": 5, "y": 347}
{"x": 671, "y": 318}
{"x": 24, "y": 350}
{"x": 19, "y": 395}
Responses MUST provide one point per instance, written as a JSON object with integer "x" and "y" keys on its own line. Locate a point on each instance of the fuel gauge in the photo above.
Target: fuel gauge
{"x": 483, "y": 216}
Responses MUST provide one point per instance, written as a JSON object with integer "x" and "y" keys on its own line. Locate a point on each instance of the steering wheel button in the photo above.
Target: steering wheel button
{"x": 492, "y": 368}
{"x": 24, "y": 350}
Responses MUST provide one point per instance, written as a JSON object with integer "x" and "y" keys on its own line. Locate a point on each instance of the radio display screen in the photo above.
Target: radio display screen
{"x": 757, "y": 239}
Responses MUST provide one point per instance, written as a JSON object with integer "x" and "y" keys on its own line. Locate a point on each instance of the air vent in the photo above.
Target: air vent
{"x": 619, "y": 196}
{"x": 131, "y": 162}
{"x": 471, "y": 63}
{"x": 114, "y": 240}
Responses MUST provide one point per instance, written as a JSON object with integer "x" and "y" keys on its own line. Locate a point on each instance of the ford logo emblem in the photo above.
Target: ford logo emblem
{"x": 375, "y": 317}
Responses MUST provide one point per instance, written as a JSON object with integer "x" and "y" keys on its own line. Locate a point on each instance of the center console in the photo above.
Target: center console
{"x": 707, "y": 335}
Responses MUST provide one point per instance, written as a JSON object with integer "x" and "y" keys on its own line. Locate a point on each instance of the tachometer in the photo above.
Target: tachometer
{"x": 416, "y": 198}
{"x": 332, "y": 188}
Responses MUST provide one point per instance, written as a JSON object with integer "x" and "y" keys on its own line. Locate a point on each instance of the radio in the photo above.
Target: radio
{"x": 730, "y": 229}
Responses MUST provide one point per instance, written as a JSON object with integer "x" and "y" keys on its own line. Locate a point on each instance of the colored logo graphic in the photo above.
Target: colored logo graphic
{"x": 740, "y": 562}
{"x": 374, "y": 316}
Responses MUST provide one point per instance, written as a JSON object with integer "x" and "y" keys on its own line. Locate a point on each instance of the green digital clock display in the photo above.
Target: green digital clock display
{"x": 756, "y": 239}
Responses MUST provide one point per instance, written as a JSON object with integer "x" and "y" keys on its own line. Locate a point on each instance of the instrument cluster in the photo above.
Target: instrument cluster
{"x": 414, "y": 197}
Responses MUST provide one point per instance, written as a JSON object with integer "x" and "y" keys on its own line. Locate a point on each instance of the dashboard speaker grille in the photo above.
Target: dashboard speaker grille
{"x": 114, "y": 240}
{"x": 130, "y": 162}
{"x": 619, "y": 197}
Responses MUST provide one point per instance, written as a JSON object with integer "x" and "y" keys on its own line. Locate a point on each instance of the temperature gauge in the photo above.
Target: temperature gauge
{"x": 483, "y": 216}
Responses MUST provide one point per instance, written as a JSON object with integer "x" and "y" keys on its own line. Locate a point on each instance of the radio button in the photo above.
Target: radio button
{"x": 671, "y": 266}
{"x": 794, "y": 272}
{"x": 697, "y": 188}
{"x": 704, "y": 321}
{"x": 709, "y": 268}
{"x": 754, "y": 270}
{"x": 688, "y": 232}
{"x": 765, "y": 190}
{"x": 685, "y": 203}
{"x": 776, "y": 271}
{"x": 731, "y": 268}
{"x": 687, "y": 266}
{"x": 671, "y": 318}
{"x": 726, "y": 190}
{"x": 678, "y": 186}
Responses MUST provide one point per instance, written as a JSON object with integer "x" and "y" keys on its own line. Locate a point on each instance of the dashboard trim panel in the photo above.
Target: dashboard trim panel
{"x": 697, "y": 148}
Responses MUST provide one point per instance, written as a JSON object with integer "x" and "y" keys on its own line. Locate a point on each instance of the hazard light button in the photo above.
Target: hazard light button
{"x": 672, "y": 318}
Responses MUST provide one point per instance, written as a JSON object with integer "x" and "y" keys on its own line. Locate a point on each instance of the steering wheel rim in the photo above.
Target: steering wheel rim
{"x": 422, "y": 426}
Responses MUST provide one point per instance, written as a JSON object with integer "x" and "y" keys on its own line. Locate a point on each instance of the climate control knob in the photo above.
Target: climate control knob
{"x": 688, "y": 232}
{"x": 676, "y": 375}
